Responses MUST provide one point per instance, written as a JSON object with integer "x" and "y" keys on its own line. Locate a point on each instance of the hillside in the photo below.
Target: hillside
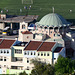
{"x": 40, "y": 7}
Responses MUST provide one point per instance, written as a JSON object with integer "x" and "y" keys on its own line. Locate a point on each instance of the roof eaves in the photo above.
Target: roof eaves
{"x": 54, "y": 46}
{"x": 13, "y": 43}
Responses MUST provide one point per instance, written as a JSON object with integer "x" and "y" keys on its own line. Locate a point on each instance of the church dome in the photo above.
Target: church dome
{"x": 53, "y": 20}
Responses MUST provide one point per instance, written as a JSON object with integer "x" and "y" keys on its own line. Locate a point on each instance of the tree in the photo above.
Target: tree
{"x": 64, "y": 65}
{"x": 42, "y": 68}
{"x": 24, "y": 73}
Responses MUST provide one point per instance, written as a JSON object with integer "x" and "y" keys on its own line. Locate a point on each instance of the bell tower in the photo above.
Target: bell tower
{"x": 23, "y": 27}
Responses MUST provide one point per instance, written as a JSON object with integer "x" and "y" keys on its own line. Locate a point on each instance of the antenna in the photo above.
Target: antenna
{"x": 53, "y": 9}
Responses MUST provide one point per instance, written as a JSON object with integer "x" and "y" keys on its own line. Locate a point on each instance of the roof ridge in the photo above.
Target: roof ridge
{"x": 27, "y": 44}
{"x": 1, "y": 41}
{"x": 40, "y": 45}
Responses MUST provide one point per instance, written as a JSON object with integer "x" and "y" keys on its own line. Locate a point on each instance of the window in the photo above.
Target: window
{"x": 27, "y": 67}
{"x": 7, "y": 52}
{"x": 58, "y": 34}
{"x": 31, "y": 53}
{"x": 27, "y": 60}
{"x": 34, "y": 53}
{"x": 4, "y": 51}
{"x": 54, "y": 58}
{"x": 1, "y": 51}
{"x": 54, "y": 34}
{"x": 4, "y": 65}
{"x": 1, "y": 58}
{"x": 4, "y": 58}
{"x": 51, "y": 31}
{"x": 25, "y": 53}
{"x": 48, "y": 54}
{"x": 41, "y": 54}
{"x": 23, "y": 26}
{"x": 44, "y": 54}
{"x": 18, "y": 51}
{"x": 28, "y": 53}
{"x": 38, "y": 54}
{"x": 0, "y": 66}
{"x": 27, "y": 37}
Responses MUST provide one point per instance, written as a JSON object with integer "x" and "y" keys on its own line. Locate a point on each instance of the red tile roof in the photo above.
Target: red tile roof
{"x": 58, "y": 49}
{"x": 33, "y": 45}
{"x": 46, "y": 46}
{"x": 26, "y": 32}
{"x": 6, "y": 44}
{"x": 41, "y": 46}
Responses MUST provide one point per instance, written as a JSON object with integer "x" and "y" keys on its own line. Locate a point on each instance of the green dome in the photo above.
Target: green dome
{"x": 53, "y": 20}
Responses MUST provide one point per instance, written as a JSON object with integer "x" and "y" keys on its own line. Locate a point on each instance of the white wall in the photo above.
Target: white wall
{"x": 62, "y": 53}
{"x": 5, "y": 54}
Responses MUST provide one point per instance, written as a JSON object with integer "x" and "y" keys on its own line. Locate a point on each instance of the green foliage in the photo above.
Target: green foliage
{"x": 40, "y": 7}
{"x": 64, "y": 65}
{"x": 42, "y": 68}
{"x": 24, "y": 73}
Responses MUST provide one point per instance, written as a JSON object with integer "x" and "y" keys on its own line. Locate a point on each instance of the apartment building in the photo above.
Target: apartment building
{"x": 16, "y": 56}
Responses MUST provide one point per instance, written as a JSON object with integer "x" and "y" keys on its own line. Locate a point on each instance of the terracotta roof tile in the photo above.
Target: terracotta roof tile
{"x": 33, "y": 45}
{"x": 26, "y": 32}
{"x": 58, "y": 49}
{"x": 6, "y": 43}
{"x": 41, "y": 46}
{"x": 46, "y": 46}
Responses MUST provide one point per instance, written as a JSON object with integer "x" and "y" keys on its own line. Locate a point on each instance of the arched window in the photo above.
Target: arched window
{"x": 23, "y": 26}
{"x": 38, "y": 54}
{"x": 25, "y": 53}
{"x": 7, "y": 51}
{"x": 1, "y": 51}
{"x": 4, "y": 51}
{"x": 34, "y": 53}
{"x": 44, "y": 54}
{"x": 47, "y": 54}
{"x": 41, "y": 54}
{"x": 31, "y": 53}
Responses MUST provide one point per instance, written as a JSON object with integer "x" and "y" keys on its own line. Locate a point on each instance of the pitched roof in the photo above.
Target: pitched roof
{"x": 58, "y": 49}
{"x": 6, "y": 44}
{"x": 46, "y": 46}
{"x": 40, "y": 46}
{"x": 26, "y": 32}
{"x": 33, "y": 45}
